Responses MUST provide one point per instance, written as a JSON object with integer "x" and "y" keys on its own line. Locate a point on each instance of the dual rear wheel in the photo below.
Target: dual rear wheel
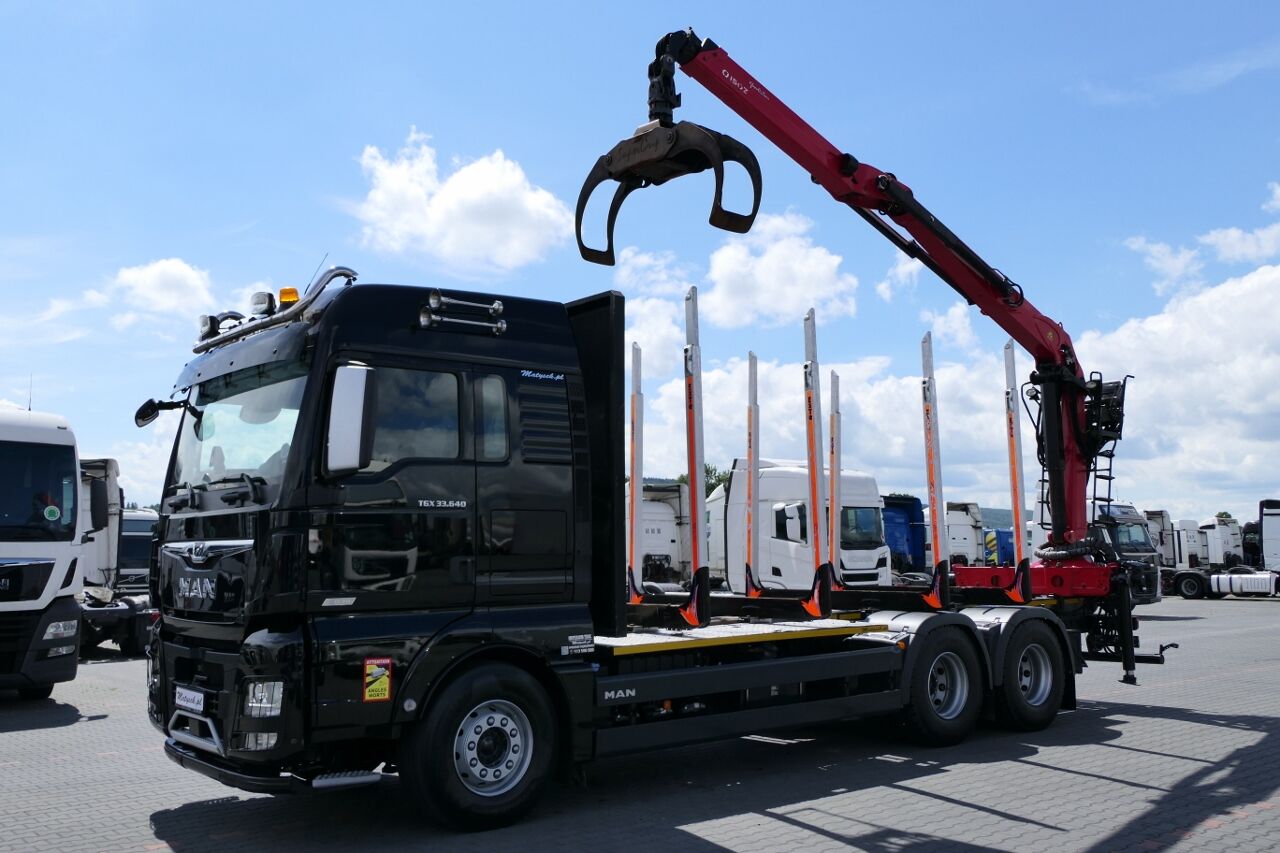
{"x": 947, "y": 690}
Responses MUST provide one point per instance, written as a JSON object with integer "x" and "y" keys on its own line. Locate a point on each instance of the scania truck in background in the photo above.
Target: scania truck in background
{"x": 114, "y": 562}
{"x": 41, "y": 532}
{"x": 1215, "y": 567}
{"x": 786, "y": 555}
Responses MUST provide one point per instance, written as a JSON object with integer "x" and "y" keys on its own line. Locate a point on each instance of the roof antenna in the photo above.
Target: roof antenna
{"x": 30, "y": 380}
{"x": 317, "y": 272}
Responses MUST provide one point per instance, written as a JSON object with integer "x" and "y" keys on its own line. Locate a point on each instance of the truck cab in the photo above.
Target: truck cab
{"x": 783, "y": 512}
{"x": 41, "y": 533}
{"x": 1125, "y": 529}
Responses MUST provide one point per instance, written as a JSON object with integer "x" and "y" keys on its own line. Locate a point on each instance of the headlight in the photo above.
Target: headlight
{"x": 262, "y": 699}
{"x": 62, "y": 630}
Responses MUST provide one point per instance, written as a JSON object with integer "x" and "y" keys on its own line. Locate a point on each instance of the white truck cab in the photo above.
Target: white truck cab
{"x": 786, "y": 554}
{"x": 41, "y": 531}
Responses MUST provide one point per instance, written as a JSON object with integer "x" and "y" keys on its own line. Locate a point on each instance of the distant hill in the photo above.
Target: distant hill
{"x": 996, "y": 517}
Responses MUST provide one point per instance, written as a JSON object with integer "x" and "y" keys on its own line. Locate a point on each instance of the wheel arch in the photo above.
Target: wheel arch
{"x": 999, "y": 624}
{"x": 429, "y": 690}
{"x": 920, "y": 626}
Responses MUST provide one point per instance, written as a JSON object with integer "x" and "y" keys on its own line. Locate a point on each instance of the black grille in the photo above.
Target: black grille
{"x": 15, "y": 637}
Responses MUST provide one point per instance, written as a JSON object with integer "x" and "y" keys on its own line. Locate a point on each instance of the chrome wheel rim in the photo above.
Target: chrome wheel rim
{"x": 493, "y": 748}
{"x": 948, "y": 685}
{"x": 1035, "y": 675}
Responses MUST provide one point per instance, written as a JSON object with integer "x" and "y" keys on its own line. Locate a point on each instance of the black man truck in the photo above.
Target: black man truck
{"x": 391, "y": 540}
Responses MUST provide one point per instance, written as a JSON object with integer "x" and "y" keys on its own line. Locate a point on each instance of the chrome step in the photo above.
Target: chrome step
{"x": 345, "y": 779}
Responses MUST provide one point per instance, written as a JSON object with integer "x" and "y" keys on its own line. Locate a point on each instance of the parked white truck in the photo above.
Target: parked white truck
{"x": 41, "y": 532}
{"x": 1215, "y": 567}
{"x": 783, "y": 509}
{"x": 965, "y": 538}
{"x": 1161, "y": 530}
{"x": 664, "y": 531}
{"x": 116, "y": 603}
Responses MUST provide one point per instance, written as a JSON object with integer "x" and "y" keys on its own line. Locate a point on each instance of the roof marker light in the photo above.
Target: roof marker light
{"x": 288, "y": 295}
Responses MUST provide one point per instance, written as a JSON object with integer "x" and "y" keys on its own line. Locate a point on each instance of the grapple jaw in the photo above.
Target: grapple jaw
{"x": 657, "y": 153}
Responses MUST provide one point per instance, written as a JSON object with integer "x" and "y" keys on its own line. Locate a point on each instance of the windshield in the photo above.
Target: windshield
{"x": 240, "y": 424}
{"x": 1132, "y": 537}
{"x": 38, "y": 486}
{"x": 861, "y": 527}
{"x": 135, "y": 552}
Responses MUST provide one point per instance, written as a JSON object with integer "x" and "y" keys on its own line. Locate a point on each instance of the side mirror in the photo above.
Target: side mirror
{"x": 97, "y": 505}
{"x": 350, "y": 435}
{"x": 146, "y": 413}
{"x": 795, "y": 524}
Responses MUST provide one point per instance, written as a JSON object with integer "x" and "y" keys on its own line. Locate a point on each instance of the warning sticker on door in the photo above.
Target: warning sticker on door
{"x": 377, "y": 679}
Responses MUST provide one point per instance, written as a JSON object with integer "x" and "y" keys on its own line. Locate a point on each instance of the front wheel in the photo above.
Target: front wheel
{"x": 481, "y": 756}
{"x": 1034, "y": 677}
{"x": 1191, "y": 586}
{"x": 35, "y": 694}
{"x": 945, "y": 694}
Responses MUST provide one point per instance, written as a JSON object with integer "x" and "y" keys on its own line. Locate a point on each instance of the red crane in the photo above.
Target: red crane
{"x": 1081, "y": 417}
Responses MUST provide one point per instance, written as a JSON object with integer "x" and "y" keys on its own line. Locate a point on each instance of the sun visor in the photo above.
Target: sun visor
{"x": 280, "y": 344}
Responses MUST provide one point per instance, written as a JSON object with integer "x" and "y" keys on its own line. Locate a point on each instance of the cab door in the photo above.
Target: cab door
{"x": 405, "y": 536}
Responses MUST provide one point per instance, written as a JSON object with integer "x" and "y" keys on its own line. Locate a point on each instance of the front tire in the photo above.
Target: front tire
{"x": 1191, "y": 586}
{"x": 36, "y": 694}
{"x": 482, "y": 755}
{"x": 1034, "y": 677}
{"x": 945, "y": 694}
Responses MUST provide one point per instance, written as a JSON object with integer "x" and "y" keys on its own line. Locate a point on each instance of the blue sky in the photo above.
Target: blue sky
{"x": 1118, "y": 160}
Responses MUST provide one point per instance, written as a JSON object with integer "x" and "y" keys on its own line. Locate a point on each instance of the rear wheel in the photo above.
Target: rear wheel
{"x": 35, "y": 694}
{"x": 1191, "y": 586}
{"x": 1034, "y": 676}
{"x": 481, "y": 756}
{"x": 945, "y": 694}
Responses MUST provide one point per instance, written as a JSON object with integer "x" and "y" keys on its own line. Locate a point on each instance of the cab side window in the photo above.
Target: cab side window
{"x": 492, "y": 443}
{"x": 416, "y": 416}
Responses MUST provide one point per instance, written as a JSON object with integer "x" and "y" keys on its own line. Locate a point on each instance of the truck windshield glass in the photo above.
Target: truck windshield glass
{"x": 861, "y": 527}
{"x": 241, "y": 425}
{"x": 38, "y": 486}
{"x": 1132, "y": 537}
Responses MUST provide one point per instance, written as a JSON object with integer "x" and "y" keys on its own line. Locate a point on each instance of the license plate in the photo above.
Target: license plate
{"x": 191, "y": 700}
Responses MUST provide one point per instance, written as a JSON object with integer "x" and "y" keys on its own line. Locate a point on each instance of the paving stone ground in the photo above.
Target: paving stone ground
{"x": 1189, "y": 760}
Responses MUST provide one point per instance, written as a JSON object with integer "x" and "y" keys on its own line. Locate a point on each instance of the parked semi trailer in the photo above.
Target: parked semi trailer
{"x": 476, "y": 444}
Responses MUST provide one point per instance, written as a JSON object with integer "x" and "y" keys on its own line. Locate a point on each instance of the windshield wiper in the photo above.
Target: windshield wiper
{"x": 234, "y": 495}
{"x": 182, "y": 501}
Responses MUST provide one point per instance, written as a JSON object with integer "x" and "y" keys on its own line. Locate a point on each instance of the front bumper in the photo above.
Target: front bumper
{"x": 24, "y": 654}
{"x": 207, "y": 765}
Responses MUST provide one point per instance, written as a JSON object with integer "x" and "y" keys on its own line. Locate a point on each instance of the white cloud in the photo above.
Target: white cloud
{"x": 484, "y": 217}
{"x": 1272, "y": 205}
{"x": 656, "y": 325}
{"x": 658, "y": 274}
{"x": 772, "y": 275}
{"x": 10, "y": 404}
{"x": 120, "y": 322}
{"x": 952, "y": 327}
{"x": 1177, "y": 268}
{"x": 1235, "y": 244}
{"x": 1203, "y": 422}
{"x": 168, "y": 286}
{"x": 901, "y": 276}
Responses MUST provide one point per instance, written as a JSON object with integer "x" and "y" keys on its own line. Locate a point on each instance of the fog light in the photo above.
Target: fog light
{"x": 61, "y": 630}
{"x": 59, "y": 651}
{"x": 254, "y": 741}
{"x": 262, "y": 699}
